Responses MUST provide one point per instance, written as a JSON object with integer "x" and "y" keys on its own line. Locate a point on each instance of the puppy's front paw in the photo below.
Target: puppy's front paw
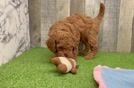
{"x": 89, "y": 56}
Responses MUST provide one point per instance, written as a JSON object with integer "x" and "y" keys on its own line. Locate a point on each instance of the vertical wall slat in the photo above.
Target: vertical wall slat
{"x": 48, "y": 17}
{"x": 92, "y": 7}
{"x": 35, "y": 16}
{"x": 62, "y": 8}
{"x": 52, "y": 10}
{"x": 77, "y": 7}
{"x": 110, "y": 26}
{"x": 132, "y": 43}
{"x": 125, "y": 26}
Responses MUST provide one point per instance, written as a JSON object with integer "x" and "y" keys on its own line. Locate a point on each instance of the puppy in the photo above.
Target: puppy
{"x": 66, "y": 35}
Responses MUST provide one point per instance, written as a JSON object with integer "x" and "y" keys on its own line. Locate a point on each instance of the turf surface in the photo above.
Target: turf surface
{"x": 34, "y": 70}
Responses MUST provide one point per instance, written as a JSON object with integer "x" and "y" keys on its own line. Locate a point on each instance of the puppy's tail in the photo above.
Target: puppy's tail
{"x": 101, "y": 12}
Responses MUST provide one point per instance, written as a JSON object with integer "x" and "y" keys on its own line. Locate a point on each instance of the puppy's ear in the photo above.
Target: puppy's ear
{"x": 51, "y": 44}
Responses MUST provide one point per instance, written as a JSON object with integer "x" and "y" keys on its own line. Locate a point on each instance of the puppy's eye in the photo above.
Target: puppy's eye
{"x": 73, "y": 48}
{"x": 60, "y": 48}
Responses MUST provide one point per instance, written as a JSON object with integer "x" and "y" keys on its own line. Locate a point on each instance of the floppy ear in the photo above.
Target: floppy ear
{"x": 51, "y": 44}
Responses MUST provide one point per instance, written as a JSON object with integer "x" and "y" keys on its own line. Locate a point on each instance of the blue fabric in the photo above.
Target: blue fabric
{"x": 117, "y": 78}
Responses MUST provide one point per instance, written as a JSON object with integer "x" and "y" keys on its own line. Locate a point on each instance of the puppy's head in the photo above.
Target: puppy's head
{"x": 63, "y": 44}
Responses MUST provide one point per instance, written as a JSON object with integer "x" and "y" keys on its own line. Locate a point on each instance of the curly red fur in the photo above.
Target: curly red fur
{"x": 65, "y": 35}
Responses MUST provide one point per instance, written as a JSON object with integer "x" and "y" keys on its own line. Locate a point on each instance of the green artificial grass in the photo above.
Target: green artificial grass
{"x": 33, "y": 69}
